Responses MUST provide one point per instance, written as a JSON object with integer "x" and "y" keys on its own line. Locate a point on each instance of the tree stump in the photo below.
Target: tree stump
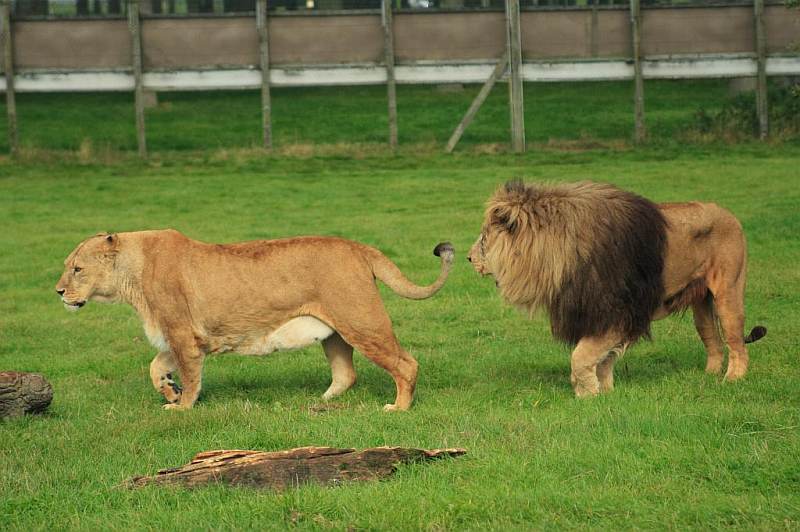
{"x": 23, "y": 393}
{"x": 286, "y": 469}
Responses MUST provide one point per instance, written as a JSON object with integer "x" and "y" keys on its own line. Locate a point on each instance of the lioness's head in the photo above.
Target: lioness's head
{"x": 88, "y": 272}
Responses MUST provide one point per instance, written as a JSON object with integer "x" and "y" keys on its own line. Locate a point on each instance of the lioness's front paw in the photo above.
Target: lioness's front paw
{"x": 171, "y": 392}
{"x": 395, "y": 408}
{"x": 176, "y": 406}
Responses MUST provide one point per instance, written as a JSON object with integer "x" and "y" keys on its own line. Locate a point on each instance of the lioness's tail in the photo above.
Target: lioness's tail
{"x": 390, "y": 274}
{"x": 758, "y": 332}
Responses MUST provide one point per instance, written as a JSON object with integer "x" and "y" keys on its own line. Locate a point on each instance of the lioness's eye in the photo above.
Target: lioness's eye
{"x": 76, "y": 269}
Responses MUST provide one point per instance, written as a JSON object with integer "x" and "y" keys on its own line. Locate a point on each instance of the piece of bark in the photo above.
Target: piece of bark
{"x": 23, "y": 393}
{"x": 286, "y": 469}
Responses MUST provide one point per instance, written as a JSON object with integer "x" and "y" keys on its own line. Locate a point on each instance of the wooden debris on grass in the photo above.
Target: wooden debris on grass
{"x": 286, "y": 469}
{"x": 23, "y": 393}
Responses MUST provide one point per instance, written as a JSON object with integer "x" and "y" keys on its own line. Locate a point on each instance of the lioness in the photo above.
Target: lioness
{"x": 604, "y": 263}
{"x": 254, "y": 297}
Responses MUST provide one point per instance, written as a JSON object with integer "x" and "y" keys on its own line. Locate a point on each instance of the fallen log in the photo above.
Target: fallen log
{"x": 286, "y": 469}
{"x": 23, "y": 393}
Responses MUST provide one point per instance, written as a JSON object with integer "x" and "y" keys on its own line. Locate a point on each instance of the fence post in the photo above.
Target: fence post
{"x": 134, "y": 24}
{"x": 266, "y": 97}
{"x": 8, "y": 68}
{"x": 762, "y": 107}
{"x": 594, "y": 32}
{"x": 640, "y": 132}
{"x": 388, "y": 51}
{"x": 514, "y": 46}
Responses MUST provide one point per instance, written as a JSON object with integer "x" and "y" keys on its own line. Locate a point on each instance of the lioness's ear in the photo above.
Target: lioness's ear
{"x": 112, "y": 243}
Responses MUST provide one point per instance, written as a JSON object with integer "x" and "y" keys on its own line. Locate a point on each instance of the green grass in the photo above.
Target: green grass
{"x": 671, "y": 447}
{"x": 555, "y": 112}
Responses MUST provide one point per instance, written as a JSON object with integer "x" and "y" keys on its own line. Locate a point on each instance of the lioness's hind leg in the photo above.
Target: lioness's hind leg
{"x": 706, "y": 325}
{"x": 366, "y": 326}
{"x": 381, "y": 347}
{"x": 403, "y": 368}
{"x": 340, "y": 357}
{"x": 161, "y": 370}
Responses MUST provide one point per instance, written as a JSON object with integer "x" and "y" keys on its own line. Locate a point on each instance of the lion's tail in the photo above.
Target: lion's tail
{"x": 758, "y": 332}
{"x": 390, "y": 274}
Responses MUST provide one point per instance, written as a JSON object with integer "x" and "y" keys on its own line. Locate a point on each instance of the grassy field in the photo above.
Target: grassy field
{"x": 555, "y": 113}
{"x": 670, "y": 448}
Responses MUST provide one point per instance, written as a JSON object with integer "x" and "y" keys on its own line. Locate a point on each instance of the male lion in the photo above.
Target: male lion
{"x": 604, "y": 263}
{"x": 254, "y": 297}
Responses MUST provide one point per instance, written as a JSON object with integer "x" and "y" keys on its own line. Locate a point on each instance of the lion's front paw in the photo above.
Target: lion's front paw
{"x": 586, "y": 390}
{"x": 581, "y": 392}
{"x": 390, "y": 408}
{"x": 731, "y": 376}
{"x": 714, "y": 366}
{"x": 585, "y": 385}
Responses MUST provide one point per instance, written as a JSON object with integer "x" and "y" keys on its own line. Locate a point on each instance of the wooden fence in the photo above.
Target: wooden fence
{"x": 147, "y": 52}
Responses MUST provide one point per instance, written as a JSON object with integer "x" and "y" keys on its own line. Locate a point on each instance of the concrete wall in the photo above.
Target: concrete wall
{"x": 71, "y": 44}
{"x": 198, "y": 43}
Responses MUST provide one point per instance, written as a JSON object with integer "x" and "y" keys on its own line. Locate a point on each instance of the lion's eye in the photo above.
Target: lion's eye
{"x": 76, "y": 269}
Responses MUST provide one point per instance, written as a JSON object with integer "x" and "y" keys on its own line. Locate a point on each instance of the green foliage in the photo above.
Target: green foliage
{"x": 738, "y": 119}
{"x": 556, "y": 113}
{"x": 670, "y": 448}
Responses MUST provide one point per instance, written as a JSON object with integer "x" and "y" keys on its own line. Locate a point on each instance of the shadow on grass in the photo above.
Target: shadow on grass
{"x": 291, "y": 383}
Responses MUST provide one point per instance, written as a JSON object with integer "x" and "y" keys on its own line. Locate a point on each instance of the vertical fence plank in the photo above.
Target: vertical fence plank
{"x": 8, "y": 67}
{"x": 516, "y": 105}
{"x": 640, "y": 133}
{"x": 135, "y": 26}
{"x": 762, "y": 107}
{"x": 266, "y": 97}
{"x": 391, "y": 89}
{"x": 594, "y": 31}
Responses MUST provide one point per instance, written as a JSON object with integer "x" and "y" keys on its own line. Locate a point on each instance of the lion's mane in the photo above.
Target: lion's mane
{"x": 590, "y": 254}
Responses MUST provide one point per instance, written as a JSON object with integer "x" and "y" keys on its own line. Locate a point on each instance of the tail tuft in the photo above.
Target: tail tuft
{"x": 758, "y": 332}
{"x": 444, "y": 248}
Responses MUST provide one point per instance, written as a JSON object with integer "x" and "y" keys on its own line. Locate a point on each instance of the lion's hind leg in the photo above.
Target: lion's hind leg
{"x": 727, "y": 284}
{"x": 161, "y": 370}
{"x": 340, "y": 357}
{"x": 731, "y": 316}
{"x": 592, "y": 360}
{"x": 705, "y": 322}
